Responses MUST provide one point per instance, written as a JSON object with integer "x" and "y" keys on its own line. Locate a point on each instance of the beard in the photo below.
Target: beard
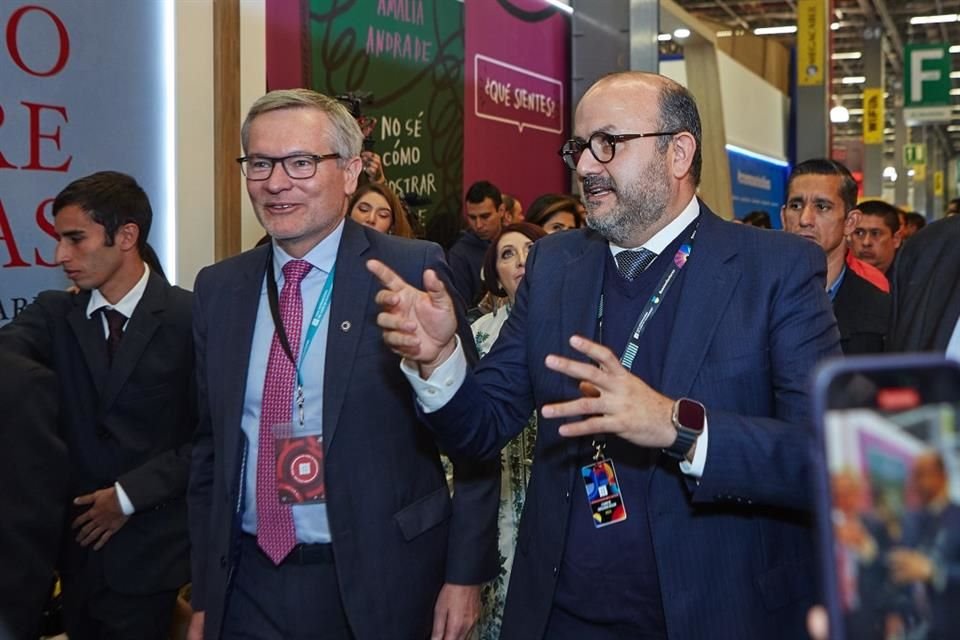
{"x": 639, "y": 205}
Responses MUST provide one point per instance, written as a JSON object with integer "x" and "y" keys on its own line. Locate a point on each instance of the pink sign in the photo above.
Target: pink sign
{"x": 516, "y": 111}
{"x": 517, "y": 96}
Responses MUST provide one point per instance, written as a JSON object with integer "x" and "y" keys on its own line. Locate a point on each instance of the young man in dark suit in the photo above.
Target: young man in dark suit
{"x": 822, "y": 206}
{"x": 678, "y": 470}
{"x": 122, "y": 350}
{"x": 300, "y": 398}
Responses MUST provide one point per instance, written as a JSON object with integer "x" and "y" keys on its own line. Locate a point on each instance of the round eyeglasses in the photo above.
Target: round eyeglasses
{"x": 602, "y": 145}
{"x": 300, "y": 166}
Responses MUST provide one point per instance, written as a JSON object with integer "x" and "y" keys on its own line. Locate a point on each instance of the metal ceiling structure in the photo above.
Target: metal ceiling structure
{"x": 850, "y": 18}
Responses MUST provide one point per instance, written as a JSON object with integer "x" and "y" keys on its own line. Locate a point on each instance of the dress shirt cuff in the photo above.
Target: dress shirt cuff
{"x": 695, "y": 468}
{"x": 125, "y": 505}
{"x": 437, "y": 390}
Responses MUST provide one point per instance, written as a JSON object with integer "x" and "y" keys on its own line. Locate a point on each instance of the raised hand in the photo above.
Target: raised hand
{"x": 417, "y": 325}
{"x": 614, "y": 400}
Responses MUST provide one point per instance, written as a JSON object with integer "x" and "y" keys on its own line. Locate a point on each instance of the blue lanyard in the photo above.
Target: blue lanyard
{"x": 323, "y": 305}
{"x": 653, "y": 303}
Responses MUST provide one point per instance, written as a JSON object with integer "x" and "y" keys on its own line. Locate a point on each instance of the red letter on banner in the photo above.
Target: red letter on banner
{"x": 15, "y": 259}
{"x": 14, "y": 49}
{"x": 47, "y": 227}
{"x": 36, "y": 136}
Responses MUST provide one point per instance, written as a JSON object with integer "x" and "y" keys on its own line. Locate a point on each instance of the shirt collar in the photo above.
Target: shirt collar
{"x": 665, "y": 237}
{"x": 835, "y": 287}
{"x": 127, "y": 303}
{"x": 321, "y": 257}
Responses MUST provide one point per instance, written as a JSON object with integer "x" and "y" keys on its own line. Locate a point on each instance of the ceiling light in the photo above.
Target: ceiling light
{"x": 681, "y": 33}
{"x": 725, "y": 33}
{"x": 834, "y": 26}
{"x": 853, "y": 80}
{"x": 846, "y": 55}
{"x": 562, "y": 5}
{"x": 955, "y": 74}
{"x": 955, "y": 48}
{"x": 855, "y": 112}
{"x": 891, "y": 173}
{"x": 947, "y": 17}
{"x": 664, "y": 37}
{"x": 774, "y": 31}
{"x": 953, "y": 127}
{"x": 839, "y": 114}
{"x": 911, "y": 172}
{"x": 955, "y": 92}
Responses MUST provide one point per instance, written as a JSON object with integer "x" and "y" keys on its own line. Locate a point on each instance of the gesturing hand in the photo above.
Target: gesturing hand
{"x": 614, "y": 400}
{"x": 98, "y": 523}
{"x": 417, "y": 325}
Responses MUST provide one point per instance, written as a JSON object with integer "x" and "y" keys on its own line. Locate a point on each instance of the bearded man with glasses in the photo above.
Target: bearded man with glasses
{"x": 668, "y": 353}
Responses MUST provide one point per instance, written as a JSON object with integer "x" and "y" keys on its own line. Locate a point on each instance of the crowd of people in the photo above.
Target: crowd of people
{"x": 625, "y": 419}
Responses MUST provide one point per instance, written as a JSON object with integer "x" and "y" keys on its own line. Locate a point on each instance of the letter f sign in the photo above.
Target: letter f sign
{"x": 918, "y": 76}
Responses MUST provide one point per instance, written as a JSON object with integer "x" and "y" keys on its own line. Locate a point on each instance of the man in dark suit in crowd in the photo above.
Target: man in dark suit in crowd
{"x": 123, "y": 354}
{"x": 692, "y": 453}
{"x": 485, "y": 214}
{"x": 876, "y": 236}
{"x": 33, "y": 477}
{"x": 926, "y": 291}
{"x": 299, "y": 396}
{"x": 821, "y": 206}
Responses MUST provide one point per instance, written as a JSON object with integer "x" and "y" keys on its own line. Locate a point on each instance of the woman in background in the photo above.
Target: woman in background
{"x": 503, "y": 270}
{"x": 555, "y": 212}
{"x": 376, "y": 205}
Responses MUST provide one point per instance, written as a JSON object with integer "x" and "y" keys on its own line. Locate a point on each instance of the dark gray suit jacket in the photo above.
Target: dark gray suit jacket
{"x": 397, "y": 535}
{"x": 131, "y": 423}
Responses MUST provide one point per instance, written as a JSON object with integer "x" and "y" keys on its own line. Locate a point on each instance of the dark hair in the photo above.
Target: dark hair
{"x": 954, "y": 203}
{"x": 881, "y": 209}
{"x": 400, "y": 225}
{"x": 111, "y": 199}
{"x": 550, "y": 204}
{"x": 678, "y": 112}
{"x": 508, "y": 201}
{"x": 825, "y": 167}
{"x": 915, "y": 219}
{"x": 758, "y": 219}
{"x": 480, "y": 191}
{"x": 490, "y": 281}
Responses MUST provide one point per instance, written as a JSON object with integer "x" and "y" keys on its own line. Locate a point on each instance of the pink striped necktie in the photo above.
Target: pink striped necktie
{"x": 275, "y": 531}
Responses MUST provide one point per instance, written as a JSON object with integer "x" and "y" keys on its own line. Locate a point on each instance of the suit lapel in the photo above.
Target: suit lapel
{"x": 237, "y": 321}
{"x": 91, "y": 338}
{"x": 708, "y": 285}
{"x": 351, "y": 284}
{"x": 140, "y": 329}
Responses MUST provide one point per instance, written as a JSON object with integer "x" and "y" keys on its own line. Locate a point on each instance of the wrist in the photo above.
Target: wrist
{"x": 427, "y": 368}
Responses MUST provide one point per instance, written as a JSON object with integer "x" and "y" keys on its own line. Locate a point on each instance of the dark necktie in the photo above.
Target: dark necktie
{"x": 115, "y": 322}
{"x": 632, "y": 263}
{"x": 276, "y": 533}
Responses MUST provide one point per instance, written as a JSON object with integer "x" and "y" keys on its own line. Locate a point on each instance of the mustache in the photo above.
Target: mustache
{"x": 591, "y": 183}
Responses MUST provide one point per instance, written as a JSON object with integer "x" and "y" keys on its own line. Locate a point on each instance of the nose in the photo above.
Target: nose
{"x": 61, "y": 254}
{"x": 807, "y": 216}
{"x": 522, "y": 257}
{"x": 278, "y": 180}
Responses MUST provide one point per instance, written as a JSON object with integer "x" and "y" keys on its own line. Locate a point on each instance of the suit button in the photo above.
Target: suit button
{"x": 223, "y": 561}
{"x": 566, "y": 496}
{"x": 556, "y": 570}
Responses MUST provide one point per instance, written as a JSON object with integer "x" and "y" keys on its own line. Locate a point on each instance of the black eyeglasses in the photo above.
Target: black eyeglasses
{"x": 300, "y": 166}
{"x": 602, "y": 145}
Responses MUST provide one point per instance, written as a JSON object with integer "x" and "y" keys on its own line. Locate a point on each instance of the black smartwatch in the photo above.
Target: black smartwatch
{"x": 688, "y": 419}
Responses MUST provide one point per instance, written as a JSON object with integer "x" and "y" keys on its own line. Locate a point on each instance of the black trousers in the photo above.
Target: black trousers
{"x": 93, "y": 611}
{"x": 297, "y": 600}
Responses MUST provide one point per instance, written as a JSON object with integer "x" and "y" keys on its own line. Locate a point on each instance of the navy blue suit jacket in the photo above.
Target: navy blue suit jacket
{"x": 397, "y": 535}
{"x": 734, "y": 552}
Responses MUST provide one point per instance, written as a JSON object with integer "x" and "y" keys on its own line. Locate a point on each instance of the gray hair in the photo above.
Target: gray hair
{"x": 345, "y": 135}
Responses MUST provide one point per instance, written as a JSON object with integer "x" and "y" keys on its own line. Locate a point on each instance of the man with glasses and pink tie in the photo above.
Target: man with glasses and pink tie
{"x": 319, "y": 506}
{"x": 667, "y": 352}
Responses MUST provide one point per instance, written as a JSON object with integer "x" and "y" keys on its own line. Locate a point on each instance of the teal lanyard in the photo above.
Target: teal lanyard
{"x": 320, "y": 310}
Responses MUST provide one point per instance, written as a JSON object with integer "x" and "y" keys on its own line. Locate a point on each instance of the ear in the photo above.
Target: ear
{"x": 684, "y": 148}
{"x": 853, "y": 219}
{"x": 783, "y": 219}
{"x": 127, "y": 236}
{"x": 351, "y": 173}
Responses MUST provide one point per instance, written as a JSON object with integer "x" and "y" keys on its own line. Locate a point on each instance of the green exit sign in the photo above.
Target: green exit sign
{"x": 926, "y": 83}
{"x": 914, "y": 154}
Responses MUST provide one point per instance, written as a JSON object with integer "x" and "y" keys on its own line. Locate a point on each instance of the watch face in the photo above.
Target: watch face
{"x": 690, "y": 414}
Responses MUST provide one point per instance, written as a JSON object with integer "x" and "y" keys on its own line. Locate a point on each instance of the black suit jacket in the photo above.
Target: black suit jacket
{"x": 926, "y": 293}
{"x": 397, "y": 535}
{"x": 130, "y": 423}
{"x": 863, "y": 315}
{"x": 33, "y": 477}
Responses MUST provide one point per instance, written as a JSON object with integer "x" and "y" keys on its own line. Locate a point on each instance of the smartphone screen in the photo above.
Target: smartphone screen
{"x": 890, "y": 514}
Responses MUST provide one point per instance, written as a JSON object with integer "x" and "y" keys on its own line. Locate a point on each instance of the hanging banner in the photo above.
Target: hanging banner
{"x": 811, "y": 42}
{"x": 873, "y": 115}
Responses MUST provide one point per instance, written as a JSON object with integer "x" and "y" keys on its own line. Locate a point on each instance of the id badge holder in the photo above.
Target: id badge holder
{"x": 299, "y": 464}
{"x": 603, "y": 492}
